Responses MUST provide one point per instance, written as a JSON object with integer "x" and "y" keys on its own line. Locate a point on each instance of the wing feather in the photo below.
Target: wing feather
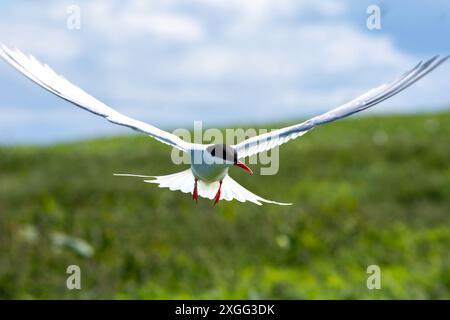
{"x": 48, "y": 79}
{"x": 374, "y": 96}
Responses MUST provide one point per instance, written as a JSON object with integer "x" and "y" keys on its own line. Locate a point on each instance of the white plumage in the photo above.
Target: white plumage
{"x": 184, "y": 180}
{"x": 374, "y": 96}
{"x": 205, "y": 179}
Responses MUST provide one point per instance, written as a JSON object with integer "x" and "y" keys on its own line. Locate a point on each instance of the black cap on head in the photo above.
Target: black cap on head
{"x": 223, "y": 151}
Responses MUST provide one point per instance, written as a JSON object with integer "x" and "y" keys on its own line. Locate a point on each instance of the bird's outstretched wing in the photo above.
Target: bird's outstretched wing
{"x": 45, "y": 77}
{"x": 275, "y": 138}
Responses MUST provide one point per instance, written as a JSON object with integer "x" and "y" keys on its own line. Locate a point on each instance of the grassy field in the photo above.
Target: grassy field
{"x": 366, "y": 191}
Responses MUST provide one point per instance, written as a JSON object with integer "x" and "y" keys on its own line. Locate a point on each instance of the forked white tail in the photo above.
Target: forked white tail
{"x": 184, "y": 181}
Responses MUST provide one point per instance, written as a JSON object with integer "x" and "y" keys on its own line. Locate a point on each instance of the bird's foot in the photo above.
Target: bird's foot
{"x": 195, "y": 193}
{"x": 217, "y": 197}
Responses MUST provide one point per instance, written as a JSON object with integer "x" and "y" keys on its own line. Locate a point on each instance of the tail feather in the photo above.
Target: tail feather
{"x": 233, "y": 190}
{"x": 184, "y": 181}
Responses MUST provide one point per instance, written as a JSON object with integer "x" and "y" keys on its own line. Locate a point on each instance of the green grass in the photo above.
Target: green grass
{"x": 366, "y": 191}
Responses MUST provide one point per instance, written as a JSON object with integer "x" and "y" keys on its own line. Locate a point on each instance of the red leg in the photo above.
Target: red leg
{"x": 217, "y": 197}
{"x": 195, "y": 193}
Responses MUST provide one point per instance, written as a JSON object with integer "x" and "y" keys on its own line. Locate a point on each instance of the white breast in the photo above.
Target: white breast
{"x": 205, "y": 168}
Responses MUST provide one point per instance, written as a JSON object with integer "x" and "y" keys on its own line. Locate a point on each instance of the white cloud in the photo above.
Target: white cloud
{"x": 166, "y": 25}
{"x": 298, "y": 54}
{"x": 265, "y": 8}
{"x": 53, "y": 44}
{"x": 171, "y": 62}
{"x": 140, "y": 19}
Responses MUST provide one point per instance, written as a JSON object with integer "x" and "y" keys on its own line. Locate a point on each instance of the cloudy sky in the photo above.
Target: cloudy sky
{"x": 226, "y": 62}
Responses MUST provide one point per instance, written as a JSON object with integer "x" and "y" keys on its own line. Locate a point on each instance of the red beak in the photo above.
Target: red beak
{"x": 243, "y": 166}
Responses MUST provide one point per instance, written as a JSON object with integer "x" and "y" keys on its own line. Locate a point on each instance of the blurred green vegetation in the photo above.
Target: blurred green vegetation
{"x": 366, "y": 191}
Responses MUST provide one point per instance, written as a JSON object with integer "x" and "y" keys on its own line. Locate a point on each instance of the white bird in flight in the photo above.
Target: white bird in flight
{"x": 208, "y": 175}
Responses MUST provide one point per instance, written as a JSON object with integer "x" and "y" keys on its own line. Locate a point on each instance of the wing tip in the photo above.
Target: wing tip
{"x": 131, "y": 175}
{"x": 435, "y": 61}
{"x": 444, "y": 58}
{"x": 280, "y": 203}
{"x": 3, "y": 50}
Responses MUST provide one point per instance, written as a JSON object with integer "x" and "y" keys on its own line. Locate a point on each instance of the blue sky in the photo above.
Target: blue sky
{"x": 224, "y": 62}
